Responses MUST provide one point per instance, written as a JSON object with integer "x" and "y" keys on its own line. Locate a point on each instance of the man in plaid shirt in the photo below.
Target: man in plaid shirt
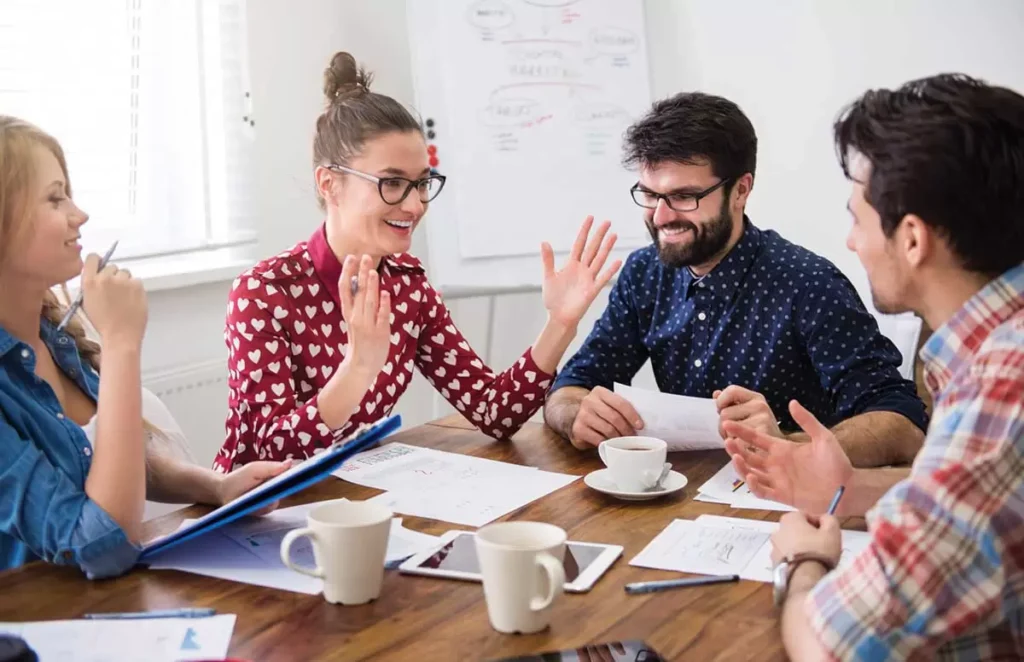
{"x": 937, "y": 168}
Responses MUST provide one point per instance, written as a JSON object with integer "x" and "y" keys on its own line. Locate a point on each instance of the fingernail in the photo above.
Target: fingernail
{"x": 639, "y": 425}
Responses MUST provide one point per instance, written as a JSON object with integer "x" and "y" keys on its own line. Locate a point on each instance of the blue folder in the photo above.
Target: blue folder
{"x": 297, "y": 478}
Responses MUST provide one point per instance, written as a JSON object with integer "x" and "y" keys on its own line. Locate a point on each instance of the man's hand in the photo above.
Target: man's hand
{"x": 803, "y": 475}
{"x": 603, "y": 415}
{"x": 799, "y": 532}
{"x": 750, "y": 408}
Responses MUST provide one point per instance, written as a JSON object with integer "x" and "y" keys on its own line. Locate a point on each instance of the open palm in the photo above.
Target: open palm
{"x": 569, "y": 291}
{"x": 802, "y": 475}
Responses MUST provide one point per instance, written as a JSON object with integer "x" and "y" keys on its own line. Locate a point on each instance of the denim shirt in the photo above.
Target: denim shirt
{"x": 44, "y": 461}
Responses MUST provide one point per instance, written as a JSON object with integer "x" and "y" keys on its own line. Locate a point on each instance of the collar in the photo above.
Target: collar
{"x": 956, "y": 341}
{"x": 328, "y": 266}
{"x": 48, "y": 333}
{"x": 728, "y": 274}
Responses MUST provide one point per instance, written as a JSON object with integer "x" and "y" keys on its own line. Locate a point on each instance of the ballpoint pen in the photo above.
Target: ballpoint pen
{"x": 835, "y": 500}
{"x": 185, "y": 612}
{"x": 650, "y": 587}
{"x": 77, "y": 303}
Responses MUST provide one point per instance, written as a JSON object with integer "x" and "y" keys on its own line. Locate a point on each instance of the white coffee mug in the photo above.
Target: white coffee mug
{"x": 350, "y": 542}
{"x": 521, "y": 563}
{"x": 635, "y": 463}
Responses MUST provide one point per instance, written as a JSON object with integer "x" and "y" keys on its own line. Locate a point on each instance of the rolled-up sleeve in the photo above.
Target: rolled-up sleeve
{"x": 54, "y": 519}
{"x": 614, "y": 351}
{"x": 856, "y": 364}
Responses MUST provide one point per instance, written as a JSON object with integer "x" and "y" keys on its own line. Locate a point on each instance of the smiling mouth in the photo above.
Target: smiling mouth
{"x": 401, "y": 225}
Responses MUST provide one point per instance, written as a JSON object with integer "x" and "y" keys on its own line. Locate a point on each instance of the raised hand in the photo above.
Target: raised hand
{"x": 367, "y": 312}
{"x": 569, "y": 291}
{"x": 803, "y": 475}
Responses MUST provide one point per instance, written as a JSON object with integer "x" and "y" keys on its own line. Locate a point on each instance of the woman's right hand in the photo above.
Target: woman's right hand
{"x": 367, "y": 314}
{"x": 114, "y": 301}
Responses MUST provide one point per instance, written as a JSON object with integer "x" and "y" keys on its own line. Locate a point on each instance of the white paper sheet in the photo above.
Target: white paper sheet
{"x": 248, "y": 551}
{"x": 449, "y": 486}
{"x": 685, "y": 423}
{"x": 759, "y": 569}
{"x": 726, "y": 486}
{"x": 688, "y": 546}
{"x": 157, "y": 639}
{"x": 477, "y": 501}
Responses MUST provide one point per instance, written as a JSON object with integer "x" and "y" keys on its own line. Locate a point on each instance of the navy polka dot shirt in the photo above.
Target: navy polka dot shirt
{"x": 772, "y": 317}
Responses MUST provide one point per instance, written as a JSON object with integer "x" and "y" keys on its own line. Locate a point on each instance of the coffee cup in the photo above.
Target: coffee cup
{"x": 350, "y": 541}
{"x": 635, "y": 463}
{"x": 521, "y": 564}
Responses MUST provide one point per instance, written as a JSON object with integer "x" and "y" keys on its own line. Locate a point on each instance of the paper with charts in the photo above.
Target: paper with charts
{"x": 157, "y": 639}
{"x": 449, "y": 486}
{"x": 685, "y": 423}
{"x": 727, "y": 487}
{"x": 248, "y": 551}
{"x": 712, "y": 545}
{"x": 541, "y": 92}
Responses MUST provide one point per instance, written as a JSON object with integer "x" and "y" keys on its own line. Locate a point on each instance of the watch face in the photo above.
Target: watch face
{"x": 780, "y": 581}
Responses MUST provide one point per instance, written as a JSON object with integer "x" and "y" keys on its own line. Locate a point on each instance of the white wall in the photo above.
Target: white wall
{"x": 790, "y": 64}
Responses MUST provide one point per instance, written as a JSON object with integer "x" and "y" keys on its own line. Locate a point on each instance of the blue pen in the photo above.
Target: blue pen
{"x": 835, "y": 500}
{"x": 650, "y": 587}
{"x": 185, "y": 612}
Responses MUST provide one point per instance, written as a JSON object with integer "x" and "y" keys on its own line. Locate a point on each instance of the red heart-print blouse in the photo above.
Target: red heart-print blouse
{"x": 286, "y": 335}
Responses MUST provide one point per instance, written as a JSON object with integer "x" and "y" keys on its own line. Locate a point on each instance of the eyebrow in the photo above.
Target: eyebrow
{"x": 401, "y": 173}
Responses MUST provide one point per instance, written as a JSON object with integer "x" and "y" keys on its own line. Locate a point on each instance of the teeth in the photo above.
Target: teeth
{"x": 672, "y": 230}
{"x": 398, "y": 224}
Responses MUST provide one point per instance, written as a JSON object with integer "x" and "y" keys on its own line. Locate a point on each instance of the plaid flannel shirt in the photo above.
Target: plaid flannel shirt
{"x": 943, "y": 577}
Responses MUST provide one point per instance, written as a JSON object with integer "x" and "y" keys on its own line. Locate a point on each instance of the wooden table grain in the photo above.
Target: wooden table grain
{"x": 420, "y": 618}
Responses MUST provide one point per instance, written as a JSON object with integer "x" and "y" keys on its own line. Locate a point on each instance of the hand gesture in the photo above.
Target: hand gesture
{"x": 367, "y": 312}
{"x": 802, "y": 475}
{"x": 569, "y": 291}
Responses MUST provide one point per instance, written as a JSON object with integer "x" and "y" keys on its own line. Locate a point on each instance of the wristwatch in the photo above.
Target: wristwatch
{"x": 785, "y": 568}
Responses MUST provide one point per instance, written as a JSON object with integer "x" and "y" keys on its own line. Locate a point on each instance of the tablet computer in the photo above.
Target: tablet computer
{"x": 616, "y": 651}
{"x": 455, "y": 558}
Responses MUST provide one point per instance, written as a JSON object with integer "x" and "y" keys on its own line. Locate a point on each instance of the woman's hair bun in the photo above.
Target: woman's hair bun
{"x": 345, "y": 79}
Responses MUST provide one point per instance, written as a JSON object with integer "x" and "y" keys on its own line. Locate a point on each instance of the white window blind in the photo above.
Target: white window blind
{"x": 149, "y": 99}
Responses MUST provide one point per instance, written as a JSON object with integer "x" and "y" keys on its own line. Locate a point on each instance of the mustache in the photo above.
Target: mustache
{"x": 674, "y": 225}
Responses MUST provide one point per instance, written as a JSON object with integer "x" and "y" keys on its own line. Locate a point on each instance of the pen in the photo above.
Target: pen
{"x": 650, "y": 587}
{"x": 835, "y": 500}
{"x": 73, "y": 308}
{"x": 185, "y": 612}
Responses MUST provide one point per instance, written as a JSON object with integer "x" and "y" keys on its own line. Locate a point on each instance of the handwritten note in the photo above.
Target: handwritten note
{"x": 688, "y": 546}
{"x": 685, "y": 423}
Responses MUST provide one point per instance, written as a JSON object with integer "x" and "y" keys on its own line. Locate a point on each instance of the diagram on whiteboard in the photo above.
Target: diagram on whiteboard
{"x": 539, "y": 94}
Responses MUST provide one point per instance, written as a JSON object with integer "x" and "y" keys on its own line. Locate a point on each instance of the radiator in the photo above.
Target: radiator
{"x": 197, "y": 396}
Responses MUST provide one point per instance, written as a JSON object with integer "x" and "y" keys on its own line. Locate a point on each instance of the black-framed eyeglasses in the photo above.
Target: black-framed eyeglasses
{"x": 675, "y": 201}
{"x": 393, "y": 190}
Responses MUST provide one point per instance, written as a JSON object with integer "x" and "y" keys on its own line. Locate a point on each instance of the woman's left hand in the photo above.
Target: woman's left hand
{"x": 243, "y": 479}
{"x": 569, "y": 291}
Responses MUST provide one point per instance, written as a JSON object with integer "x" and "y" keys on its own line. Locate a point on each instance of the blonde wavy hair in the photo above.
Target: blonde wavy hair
{"x": 17, "y": 175}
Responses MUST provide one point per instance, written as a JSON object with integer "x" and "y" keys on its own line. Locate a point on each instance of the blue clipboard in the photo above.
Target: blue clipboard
{"x": 297, "y": 478}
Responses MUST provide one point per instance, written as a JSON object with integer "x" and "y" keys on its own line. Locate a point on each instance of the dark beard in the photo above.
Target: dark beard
{"x": 706, "y": 244}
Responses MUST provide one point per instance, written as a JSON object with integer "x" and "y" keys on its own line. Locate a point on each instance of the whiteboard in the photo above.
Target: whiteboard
{"x": 528, "y": 101}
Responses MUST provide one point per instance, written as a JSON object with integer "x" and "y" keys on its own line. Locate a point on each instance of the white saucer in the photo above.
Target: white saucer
{"x": 601, "y": 480}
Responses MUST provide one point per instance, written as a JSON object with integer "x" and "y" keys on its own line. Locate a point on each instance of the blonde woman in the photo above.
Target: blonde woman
{"x": 66, "y": 496}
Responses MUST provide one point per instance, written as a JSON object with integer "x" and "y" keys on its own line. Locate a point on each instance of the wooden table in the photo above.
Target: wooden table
{"x": 421, "y": 618}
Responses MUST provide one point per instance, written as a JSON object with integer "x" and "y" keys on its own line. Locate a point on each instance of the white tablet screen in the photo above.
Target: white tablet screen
{"x": 459, "y": 555}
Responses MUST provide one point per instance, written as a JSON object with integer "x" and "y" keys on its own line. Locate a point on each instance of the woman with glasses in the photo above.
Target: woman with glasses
{"x": 324, "y": 337}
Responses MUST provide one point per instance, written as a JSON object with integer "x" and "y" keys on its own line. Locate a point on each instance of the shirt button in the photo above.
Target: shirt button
{"x": 25, "y": 354}
{"x": 698, "y": 363}
{"x": 60, "y": 416}
{"x": 87, "y": 450}
{"x": 702, "y": 317}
